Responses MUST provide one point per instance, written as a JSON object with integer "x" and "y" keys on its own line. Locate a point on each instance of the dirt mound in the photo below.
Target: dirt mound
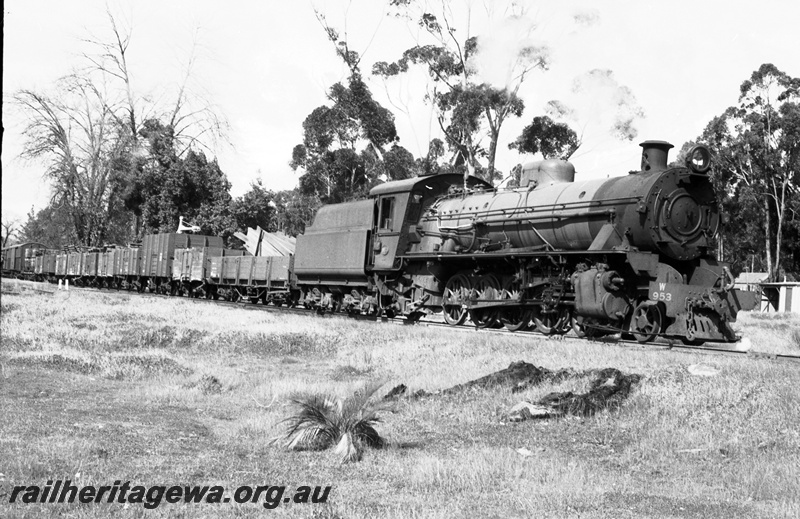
{"x": 609, "y": 387}
{"x": 607, "y": 391}
{"x": 519, "y": 376}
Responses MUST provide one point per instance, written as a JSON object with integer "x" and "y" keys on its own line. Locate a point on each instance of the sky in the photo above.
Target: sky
{"x": 265, "y": 65}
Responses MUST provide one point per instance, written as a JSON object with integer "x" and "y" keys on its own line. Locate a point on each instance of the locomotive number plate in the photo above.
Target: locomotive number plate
{"x": 661, "y": 295}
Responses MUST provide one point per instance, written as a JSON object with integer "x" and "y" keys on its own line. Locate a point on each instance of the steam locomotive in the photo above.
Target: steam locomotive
{"x": 624, "y": 255}
{"x": 628, "y": 254}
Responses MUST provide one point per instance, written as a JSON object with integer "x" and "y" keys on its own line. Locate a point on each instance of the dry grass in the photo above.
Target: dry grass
{"x": 98, "y": 387}
{"x": 770, "y": 332}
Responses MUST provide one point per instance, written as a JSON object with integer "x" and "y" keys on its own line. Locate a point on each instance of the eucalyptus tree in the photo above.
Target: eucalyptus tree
{"x": 466, "y": 106}
{"x": 757, "y": 144}
{"x": 351, "y": 144}
{"x": 554, "y": 140}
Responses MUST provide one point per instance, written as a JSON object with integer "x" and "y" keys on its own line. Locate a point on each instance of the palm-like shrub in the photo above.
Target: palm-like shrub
{"x": 321, "y": 421}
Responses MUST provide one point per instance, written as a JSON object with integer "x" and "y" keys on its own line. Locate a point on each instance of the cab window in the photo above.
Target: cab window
{"x": 387, "y": 213}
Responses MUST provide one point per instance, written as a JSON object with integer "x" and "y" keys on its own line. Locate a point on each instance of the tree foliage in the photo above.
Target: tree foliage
{"x": 553, "y": 140}
{"x": 10, "y": 228}
{"x": 165, "y": 186}
{"x": 76, "y": 133}
{"x": 50, "y": 226}
{"x": 466, "y": 107}
{"x": 256, "y": 208}
{"x": 295, "y": 210}
{"x": 89, "y": 132}
{"x": 757, "y": 168}
{"x": 344, "y": 149}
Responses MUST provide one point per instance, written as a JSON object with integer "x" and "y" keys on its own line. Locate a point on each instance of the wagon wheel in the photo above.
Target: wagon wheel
{"x": 456, "y": 293}
{"x": 486, "y": 287}
{"x": 514, "y": 318}
{"x": 647, "y": 321}
{"x": 254, "y": 300}
{"x": 337, "y": 303}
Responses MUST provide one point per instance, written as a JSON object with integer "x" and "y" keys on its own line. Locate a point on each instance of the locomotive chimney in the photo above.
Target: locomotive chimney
{"x": 654, "y": 155}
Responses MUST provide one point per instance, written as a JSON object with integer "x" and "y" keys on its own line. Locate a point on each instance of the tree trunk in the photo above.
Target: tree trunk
{"x": 767, "y": 239}
{"x": 779, "y": 235}
{"x": 492, "y": 155}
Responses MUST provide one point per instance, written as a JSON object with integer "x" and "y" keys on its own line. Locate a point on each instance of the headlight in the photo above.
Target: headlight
{"x": 698, "y": 159}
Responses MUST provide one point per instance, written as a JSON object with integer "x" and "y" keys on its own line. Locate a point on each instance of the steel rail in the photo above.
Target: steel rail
{"x": 663, "y": 344}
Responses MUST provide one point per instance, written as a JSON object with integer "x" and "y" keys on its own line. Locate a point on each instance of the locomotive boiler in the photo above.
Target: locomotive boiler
{"x": 670, "y": 211}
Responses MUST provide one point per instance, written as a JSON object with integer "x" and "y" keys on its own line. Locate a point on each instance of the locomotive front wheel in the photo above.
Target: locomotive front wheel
{"x": 646, "y": 321}
{"x": 515, "y": 318}
{"x": 456, "y": 293}
{"x": 579, "y": 326}
{"x": 486, "y": 287}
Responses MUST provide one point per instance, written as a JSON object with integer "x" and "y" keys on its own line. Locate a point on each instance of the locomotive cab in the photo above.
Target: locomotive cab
{"x": 398, "y": 207}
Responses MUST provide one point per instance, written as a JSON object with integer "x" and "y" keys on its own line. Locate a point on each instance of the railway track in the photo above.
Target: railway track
{"x": 616, "y": 340}
{"x": 661, "y": 344}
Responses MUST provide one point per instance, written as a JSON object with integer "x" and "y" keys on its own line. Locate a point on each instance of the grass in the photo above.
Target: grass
{"x": 97, "y": 387}
{"x": 770, "y": 332}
